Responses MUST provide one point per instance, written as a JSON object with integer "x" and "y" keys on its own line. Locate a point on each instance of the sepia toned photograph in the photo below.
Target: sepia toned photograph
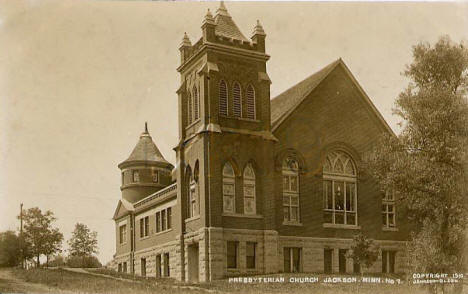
{"x": 233, "y": 147}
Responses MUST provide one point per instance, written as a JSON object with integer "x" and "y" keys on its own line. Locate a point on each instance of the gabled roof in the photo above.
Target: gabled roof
{"x": 146, "y": 150}
{"x": 127, "y": 207}
{"x": 285, "y": 103}
{"x": 225, "y": 26}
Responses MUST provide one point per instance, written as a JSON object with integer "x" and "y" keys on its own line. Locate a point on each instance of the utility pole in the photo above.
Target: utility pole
{"x": 21, "y": 235}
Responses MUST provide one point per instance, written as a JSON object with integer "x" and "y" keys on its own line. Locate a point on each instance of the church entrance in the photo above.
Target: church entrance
{"x": 193, "y": 252}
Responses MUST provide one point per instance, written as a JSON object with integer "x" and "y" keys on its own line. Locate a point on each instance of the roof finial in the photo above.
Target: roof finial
{"x": 222, "y": 9}
{"x": 146, "y": 127}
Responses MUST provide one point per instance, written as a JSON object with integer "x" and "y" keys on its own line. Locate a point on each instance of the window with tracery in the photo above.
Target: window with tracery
{"x": 339, "y": 189}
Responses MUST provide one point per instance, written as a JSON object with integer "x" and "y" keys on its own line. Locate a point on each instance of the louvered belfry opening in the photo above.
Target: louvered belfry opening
{"x": 196, "y": 104}
{"x": 236, "y": 100}
{"x": 189, "y": 108}
{"x": 223, "y": 98}
{"x": 250, "y": 102}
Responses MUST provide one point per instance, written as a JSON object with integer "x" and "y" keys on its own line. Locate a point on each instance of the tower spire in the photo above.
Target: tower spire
{"x": 222, "y": 9}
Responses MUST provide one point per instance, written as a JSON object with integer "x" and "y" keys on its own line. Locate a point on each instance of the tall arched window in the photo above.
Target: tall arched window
{"x": 290, "y": 190}
{"x": 229, "y": 190}
{"x": 223, "y": 98}
{"x": 249, "y": 190}
{"x": 189, "y": 108}
{"x": 250, "y": 102}
{"x": 339, "y": 189}
{"x": 196, "y": 104}
{"x": 191, "y": 194}
{"x": 236, "y": 100}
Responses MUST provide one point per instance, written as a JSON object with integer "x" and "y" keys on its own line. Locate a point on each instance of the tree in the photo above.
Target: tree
{"x": 83, "y": 242}
{"x": 39, "y": 235}
{"x": 426, "y": 165}
{"x": 10, "y": 250}
{"x": 363, "y": 251}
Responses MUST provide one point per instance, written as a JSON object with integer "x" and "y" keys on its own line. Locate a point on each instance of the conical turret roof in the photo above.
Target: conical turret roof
{"x": 146, "y": 150}
{"x": 225, "y": 26}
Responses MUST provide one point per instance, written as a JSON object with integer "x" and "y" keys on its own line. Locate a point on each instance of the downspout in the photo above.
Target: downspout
{"x": 132, "y": 242}
{"x": 208, "y": 178}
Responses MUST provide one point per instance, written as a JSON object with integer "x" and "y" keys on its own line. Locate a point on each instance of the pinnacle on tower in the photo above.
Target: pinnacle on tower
{"x": 209, "y": 17}
{"x": 185, "y": 41}
{"x": 146, "y": 128}
{"x": 258, "y": 30}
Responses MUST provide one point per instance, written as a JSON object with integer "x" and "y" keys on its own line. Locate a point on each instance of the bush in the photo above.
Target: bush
{"x": 83, "y": 261}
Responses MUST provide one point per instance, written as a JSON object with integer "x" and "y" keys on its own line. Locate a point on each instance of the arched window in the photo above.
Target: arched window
{"x": 229, "y": 190}
{"x": 191, "y": 194}
{"x": 223, "y": 98}
{"x": 236, "y": 100}
{"x": 290, "y": 190}
{"x": 250, "y": 102}
{"x": 196, "y": 104}
{"x": 189, "y": 108}
{"x": 249, "y": 190}
{"x": 339, "y": 189}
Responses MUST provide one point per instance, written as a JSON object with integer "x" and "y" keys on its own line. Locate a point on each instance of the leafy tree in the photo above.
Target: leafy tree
{"x": 83, "y": 242}
{"x": 363, "y": 251}
{"x": 426, "y": 165}
{"x": 10, "y": 250}
{"x": 39, "y": 235}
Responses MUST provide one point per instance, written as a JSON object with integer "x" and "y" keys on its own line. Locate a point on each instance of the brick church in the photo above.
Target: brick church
{"x": 261, "y": 185}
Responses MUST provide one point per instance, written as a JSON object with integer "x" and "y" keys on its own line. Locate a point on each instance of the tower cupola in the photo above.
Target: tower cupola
{"x": 145, "y": 171}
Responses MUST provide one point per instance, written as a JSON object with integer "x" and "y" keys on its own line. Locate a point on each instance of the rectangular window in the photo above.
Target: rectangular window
{"x": 167, "y": 272}
{"x": 143, "y": 267}
{"x": 163, "y": 220}
{"x": 342, "y": 260}
{"x": 125, "y": 267}
{"x": 136, "y": 176}
{"x": 158, "y": 266}
{"x": 232, "y": 254}
{"x": 158, "y": 222}
{"x": 123, "y": 182}
{"x": 340, "y": 202}
{"x": 119, "y": 268}
{"x": 250, "y": 254}
{"x": 327, "y": 260}
{"x": 144, "y": 227}
{"x": 155, "y": 176}
{"x": 388, "y": 261}
{"x": 291, "y": 198}
{"x": 169, "y": 218}
{"x": 388, "y": 210}
{"x": 123, "y": 234}
{"x": 292, "y": 259}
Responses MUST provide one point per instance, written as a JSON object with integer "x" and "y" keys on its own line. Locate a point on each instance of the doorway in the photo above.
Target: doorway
{"x": 193, "y": 274}
{"x": 342, "y": 260}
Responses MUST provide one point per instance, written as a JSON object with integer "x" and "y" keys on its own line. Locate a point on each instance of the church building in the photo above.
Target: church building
{"x": 261, "y": 185}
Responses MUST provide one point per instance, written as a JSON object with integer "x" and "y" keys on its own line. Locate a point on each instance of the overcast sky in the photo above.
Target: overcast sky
{"x": 78, "y": 80}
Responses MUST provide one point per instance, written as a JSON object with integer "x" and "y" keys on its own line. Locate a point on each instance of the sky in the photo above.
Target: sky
{"x": 78, "y": 79}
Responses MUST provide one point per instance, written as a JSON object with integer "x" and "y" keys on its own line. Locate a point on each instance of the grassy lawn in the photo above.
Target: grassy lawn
{"x": 85, "y": 283}
{"x": 306, "y": 287}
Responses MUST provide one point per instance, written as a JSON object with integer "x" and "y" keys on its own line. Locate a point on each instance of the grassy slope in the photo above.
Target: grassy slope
{"x": 84, "y": 283}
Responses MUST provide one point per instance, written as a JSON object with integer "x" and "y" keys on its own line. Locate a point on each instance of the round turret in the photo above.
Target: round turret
{"x": 145, "y": 171}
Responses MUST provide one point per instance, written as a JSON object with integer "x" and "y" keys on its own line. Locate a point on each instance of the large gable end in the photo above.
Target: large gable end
{"x": 283, "y": 105}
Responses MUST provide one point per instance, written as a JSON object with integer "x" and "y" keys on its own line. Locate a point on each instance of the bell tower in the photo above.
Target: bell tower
{"x": 224, "y": 117}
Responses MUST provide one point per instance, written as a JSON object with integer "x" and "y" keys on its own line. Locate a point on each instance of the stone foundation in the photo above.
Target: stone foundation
{"x": 202, "y": 255}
